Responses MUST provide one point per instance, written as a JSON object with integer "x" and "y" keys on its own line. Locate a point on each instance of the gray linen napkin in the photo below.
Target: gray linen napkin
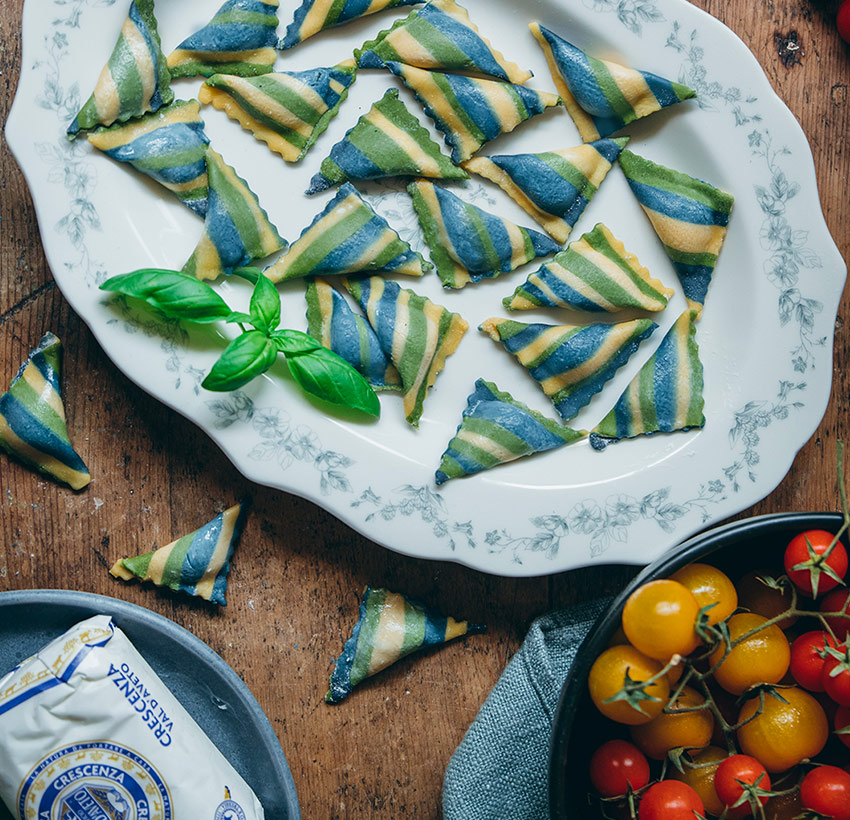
{"x": 500, "y": 769}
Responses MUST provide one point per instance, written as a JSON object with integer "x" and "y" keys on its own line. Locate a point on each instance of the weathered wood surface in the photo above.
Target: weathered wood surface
{"x": 299, "y": 571}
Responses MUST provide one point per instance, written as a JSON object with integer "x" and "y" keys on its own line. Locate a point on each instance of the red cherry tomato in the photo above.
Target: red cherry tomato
{"x": 804, "y": 551}
{"x": 615, "y": 766}
{"x": 670, "y": 800}
{"x": 741, "y": 768}
{"x": 843, "y": 21}
{"x": 835, "y": 676}
{"x": 841, "y": 722}
{"x": 826, "y": 790}
{"x": 806, "y": 662}
{"x": 837, "y": 601}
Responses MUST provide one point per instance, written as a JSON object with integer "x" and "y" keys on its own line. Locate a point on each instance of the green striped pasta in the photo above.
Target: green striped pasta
{"x": 595, "y": 273}
{"x": 237, "y": 231}
{"x": 134, "y": 80}
{"x": 387, "y": 141}
{"x": 439, "y": 35}
{"x": 389, "y": 627}
{"x": 32, "y": 418}
{"x": 469, "y": 244}
{"x": 286, "y": 110}
{"x": 470, "y": 111}
{"x": 417, "y": 335}
{"x": 572, "y": 363}
{"x": 665, "y": 396}
{"x": 496, "y": 429}
{"x": 197, "y": 564}
{"x": 347, "y": 237}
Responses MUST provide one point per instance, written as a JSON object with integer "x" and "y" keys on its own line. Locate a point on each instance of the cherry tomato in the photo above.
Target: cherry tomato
{"x": 615, "y": 766}
{"x": 806, "y": 662}
{"x": 762, "y": 658}
{"x": 784, "y": 733}
{"x": 659, "y": 619}
{"x": 670, "y": 800}
{"x": 763, "y": 600}
{"x": 835, "y": 676}
{"x": 804, "y": 551}
{"x": 709, "y": 586}
{"x": 692, "y": 730}
{"x": 843, "y": 21}
{"x": 701, "y": 777}
{"x": 745, "y": 769}
{"x": 838, "y": 601}
{"x": 826, "y": 790}
{"x": 784, "y": 807}
{"x": 607, "y": 677}
{"x": 842, "y": 721}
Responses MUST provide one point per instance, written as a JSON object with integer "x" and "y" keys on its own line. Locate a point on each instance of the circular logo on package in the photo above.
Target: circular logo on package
{"x": 94, "y": 781}
{"x": 229, "y": 810}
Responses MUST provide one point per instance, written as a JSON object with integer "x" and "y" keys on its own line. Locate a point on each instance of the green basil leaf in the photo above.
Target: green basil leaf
{"x": 237, "y": 317}
{"x": 245, "y": 357}
{"x": 265, "y": 305}
{"x": 249, "y": 273}
{"x": 328, "y": 376}
{"x": 294, "y": 342}
{"x": 177, "y": 295}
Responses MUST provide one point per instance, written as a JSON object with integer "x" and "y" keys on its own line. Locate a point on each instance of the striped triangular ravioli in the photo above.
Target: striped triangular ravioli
{"x": 496, "y": 429}
{"x": 603, "y": 96}
{"x": 469, "y": 244}
{"x": 32, "y": 417}
{"x": 237, "y": 231}
{"x": 572, "y": 363}
{"x": 387, "y": 141}
{"x": 666, "y": 395}
{"x": 690, "y": 217}
{"x": 331, "y": 321}
{"x": 197, "y": 563}
{"x": 593, "y": 274}
{"x": 469, "y": 111}
{"x": 439, "y": 35}
{"x": 347, "y": 237}
{"x": 389, "y": 627}
{"x": 240, "y": 39}
{"x": 169, "y": 146}
{"x": 135, "y": 79}
{"x": 416, "y": 334}
{"x": 554, "y": 186}
{"x": 286, "y": 110}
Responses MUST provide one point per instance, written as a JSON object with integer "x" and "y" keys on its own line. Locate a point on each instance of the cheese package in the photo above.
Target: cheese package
{"x": 89, "y": 731}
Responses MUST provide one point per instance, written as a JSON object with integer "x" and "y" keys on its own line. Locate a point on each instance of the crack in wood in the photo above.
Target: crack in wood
{"x": 27, "y": 300}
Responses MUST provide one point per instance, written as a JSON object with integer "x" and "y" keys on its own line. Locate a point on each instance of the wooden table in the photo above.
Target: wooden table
{"x": 295, "y": 586}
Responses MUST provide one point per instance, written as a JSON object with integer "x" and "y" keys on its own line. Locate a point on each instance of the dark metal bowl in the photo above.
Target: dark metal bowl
{"x": 578, "y": 728}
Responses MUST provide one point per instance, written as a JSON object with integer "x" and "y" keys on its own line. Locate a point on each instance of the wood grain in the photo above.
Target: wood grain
{"x": 295, "y": 585}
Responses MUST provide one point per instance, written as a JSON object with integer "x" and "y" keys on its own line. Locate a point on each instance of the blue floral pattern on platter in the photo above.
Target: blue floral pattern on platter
{"x": 587, "y": 526}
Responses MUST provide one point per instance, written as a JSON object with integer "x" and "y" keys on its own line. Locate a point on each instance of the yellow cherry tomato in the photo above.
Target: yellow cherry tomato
{"x": 668, "y": 731}
{"x": 783, "y": 734}
{"x": 701, "y": 779}
{"x": 608, "y": 676}
{"x": 764, "y": 657}
{"x": 659, "y": 619}
{"x": 709, "y": 586}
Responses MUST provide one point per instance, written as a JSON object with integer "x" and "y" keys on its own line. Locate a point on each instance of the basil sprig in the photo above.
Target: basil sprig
{"x": 317, "y": 370}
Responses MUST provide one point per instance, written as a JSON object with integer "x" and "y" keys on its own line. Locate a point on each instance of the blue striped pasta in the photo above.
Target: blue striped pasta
{"x": 469, "y": 111}
{"x": 469, "y": 244}
{"x": 554, "y": 187}
{"x": 496, "y": 429}
{"x": 690, "y": 218}
{"x": 571, "y": 363}
{"x": 348, "y": 236}
{"x": 389, "y": 627}
{"x": 665, "y": 396}
{"x": 197, "y": 564}
{"x": 134, "y": 80}
{"x": 240, "y": 39}
{"x": 603, "y": 96}
{"x": 331, "y": 321}
{"x": 32, "y": 418}
{"x": 169, "y": 146}
{"x": 593, "y": 274}
{"x": 439, "y": 35}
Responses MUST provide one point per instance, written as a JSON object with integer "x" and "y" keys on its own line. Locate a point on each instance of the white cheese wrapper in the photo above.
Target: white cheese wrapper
{"x": 89, "y": 732}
